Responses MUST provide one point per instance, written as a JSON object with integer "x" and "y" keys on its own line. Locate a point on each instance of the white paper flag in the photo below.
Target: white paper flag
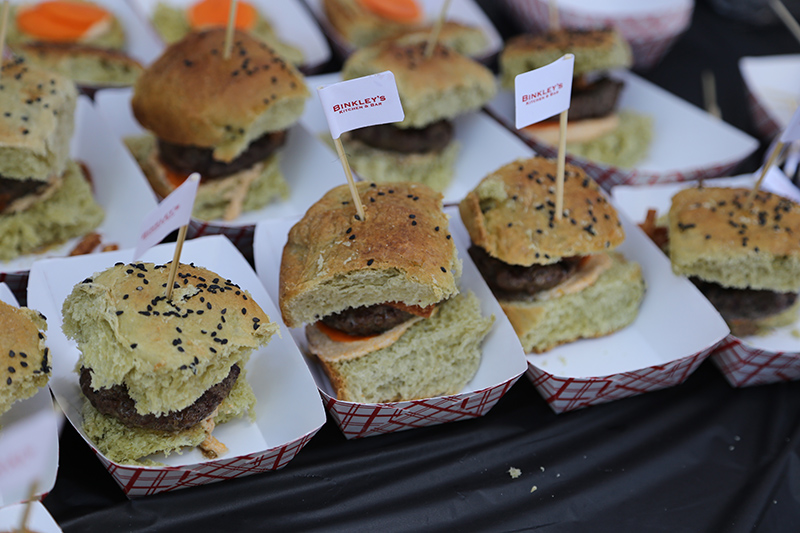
{"x": 361, "y": 102}
{"x": 544, "y": 92}
{"x": 792, "y": 131}
{"x": 173, "y": 212}
{"x": 25, "y": 455}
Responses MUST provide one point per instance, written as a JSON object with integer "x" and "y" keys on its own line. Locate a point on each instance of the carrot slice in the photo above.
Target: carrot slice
{"x": 340, "y": 336}
{"x": 60, "y": 20}
{"x": 396, "y": 10}
{"x": 211, "y": 13}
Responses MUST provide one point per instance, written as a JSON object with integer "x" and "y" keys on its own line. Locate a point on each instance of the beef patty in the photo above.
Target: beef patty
{"x": 514, "y": 281}
{"x": 747, "y": 304}
{"x": 185, "y": 159}
{"x": 367, "y": 320}
{"x": 13, "y": 189}
{"x": 116, "y": 402}
{"x": 595, "y": 100}
{"x": 432, "y": 138}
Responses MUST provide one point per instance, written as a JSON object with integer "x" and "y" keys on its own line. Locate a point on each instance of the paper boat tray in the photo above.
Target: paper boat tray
{"x": 753, "y": 360}
{"x": 688, "y": 143}
{"x": 501, "y": 365}
{"x": 288, "y": 413}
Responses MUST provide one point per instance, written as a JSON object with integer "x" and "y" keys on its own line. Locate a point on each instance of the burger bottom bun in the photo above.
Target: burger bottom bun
{"x": 85, "y": 65}
{"x": 434, "y": 169}
{"x": 126, "y": 445}
{"x": 762, "y": 326}
{"x": 70, "y": 211}
{"x": 172, "y": 25}
{"x": 610, "y": 304}
{"x": 621, "y": 146}
{"x": 215, "y": 197}
{"x": 435, "y": 357}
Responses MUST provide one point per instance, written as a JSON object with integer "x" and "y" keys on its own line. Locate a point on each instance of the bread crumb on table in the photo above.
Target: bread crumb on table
{"x": 514, "y": 472}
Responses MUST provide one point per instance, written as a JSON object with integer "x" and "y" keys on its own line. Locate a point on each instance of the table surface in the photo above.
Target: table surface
{"x": 702, "y": 456}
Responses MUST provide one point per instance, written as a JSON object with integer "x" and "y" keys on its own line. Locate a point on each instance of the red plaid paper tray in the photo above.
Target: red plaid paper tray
{"x": 288, "y": 411}
{"x": 651, "y": 28}
{"x": 688, "y": 143}
{"x": 755, "y": 360}
{"x": 501, "y": 365}
{"x": 675, "y": 331}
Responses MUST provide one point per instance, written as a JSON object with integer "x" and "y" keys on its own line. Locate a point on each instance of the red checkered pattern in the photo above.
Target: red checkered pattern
{"x": 650, "y": 37}
{"x": 608, "y": 176}
{"x": 568, "y": 394}
{"x": 17, "y": 282}
{"x": 764, "y": 123}
{"x": 358, "y": 420}
{"x": 137, "y": 482}
{"x": 744, "y": 366}
{"x": 240, "y": 236}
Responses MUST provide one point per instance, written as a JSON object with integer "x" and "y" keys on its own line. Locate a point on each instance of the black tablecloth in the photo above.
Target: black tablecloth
{"x": 702, "y": 456}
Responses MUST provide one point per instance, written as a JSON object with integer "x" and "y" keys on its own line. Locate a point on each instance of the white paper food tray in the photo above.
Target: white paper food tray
{"x": 485, "y": 145}
{"x": 39, "y": 519}
{"x": 21, "y": 410}
{"x": 688, "y": 143}
{"x": 119, "y": 187}
{"x": 650, "y": 27}
{"x": 745, "y": 361}
{"x": 773, "y": 87}
{"x": 306, "y": 164}
{"x": 464, "y": 11}
{"x": 645, "y": 356}
{"x": 502, "y": 363}
{"x": 289, "y": 18}
{"x": 288, "y": 412}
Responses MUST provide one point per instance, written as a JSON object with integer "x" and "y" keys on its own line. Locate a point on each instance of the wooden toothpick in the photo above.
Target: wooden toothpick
{"x": 776, "y": 150}
{"x": 350, "y": 181}
{"x": 555, "y": 24}
{"x": 561, "y": 162}
{"x": 229, "y": 30}
{"x": 437, "y": 28}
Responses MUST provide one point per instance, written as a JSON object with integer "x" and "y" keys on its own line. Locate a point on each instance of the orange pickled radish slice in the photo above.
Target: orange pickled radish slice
{"x": 61, "y": 20}
{"x": 210, "y": 13}
{"x": 396, "y": 10}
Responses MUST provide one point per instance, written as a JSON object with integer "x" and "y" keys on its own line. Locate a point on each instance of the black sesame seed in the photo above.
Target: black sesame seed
{"x": 443, "y": 269}
{"x": 413, "y": 222}
{"x": 11, "y": 369}
{"x": 244, "y": 311}
{"x": 352, "y": 237}
{"x": 119, "y": 313}
{"x": 134, "y": 345}
{"x": 369, "y": 263}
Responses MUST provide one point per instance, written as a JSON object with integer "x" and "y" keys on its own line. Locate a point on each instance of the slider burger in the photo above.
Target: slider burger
{"x": 364, "y": 22}
{"x": 44, "y": 196}
{"x": 433, "y": 91}
{"x": 596, "y": 130}
{"x": 173, "y": 23}
{"x": 76, "y": 38}
{"x": 380, "y": 297}
{"x": 223, "y": 118}
{"x": 745, "y": 261}
{"x": 158, "y": 374}
{"x": 24, "y": 357}
{"x": 556, "y": 280}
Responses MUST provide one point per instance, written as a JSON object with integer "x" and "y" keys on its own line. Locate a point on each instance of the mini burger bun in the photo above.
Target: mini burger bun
{"x": 443, "y": 86}
{"x": 511, "y": 214}
{"x": 85, "y": 65}
{"x": 192, "y": 95}
{"x": 23, "y": 355}
{"x": 402, "y": 252}
{"x": 594, "y": 50}
{"x": 360, "y": 26}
